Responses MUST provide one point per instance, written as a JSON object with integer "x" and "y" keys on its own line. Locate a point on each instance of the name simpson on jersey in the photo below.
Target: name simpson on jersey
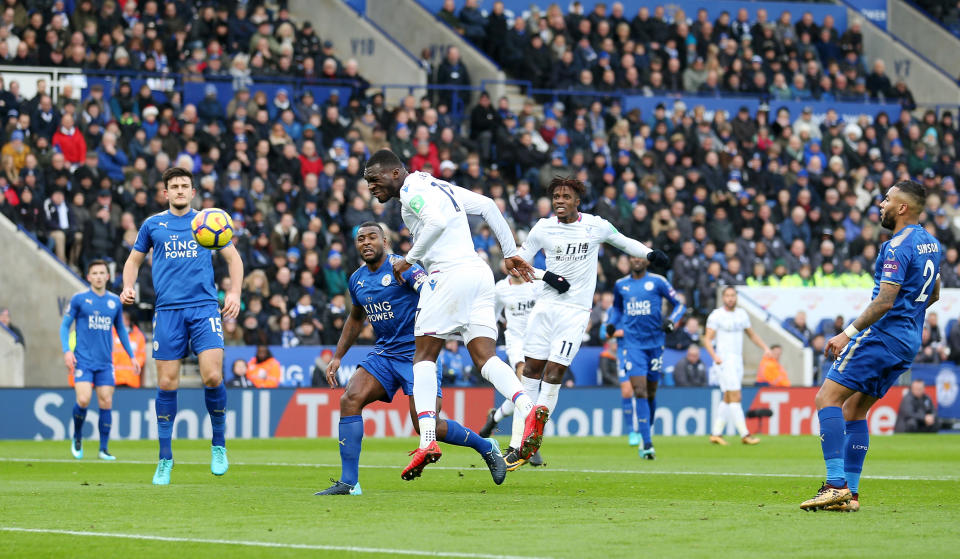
{"x": 927, "y": 248}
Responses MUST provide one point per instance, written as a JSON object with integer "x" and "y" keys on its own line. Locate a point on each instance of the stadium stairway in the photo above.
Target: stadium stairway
{"x": 412, "y": 26}
{"x": 37, "y": 289}
{"x": 382, "y": 60}
{"x": 11, "y": 360}
{"x": 932, "y": 84}
{"x": 796, "y": 359}
{"x": 925, "y": 35}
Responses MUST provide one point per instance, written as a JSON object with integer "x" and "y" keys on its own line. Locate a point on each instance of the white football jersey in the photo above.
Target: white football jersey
{"x": 572, "y": 250}
{"x": 516, "y": 301}
{"x": 729, "y": 326}
{"x": 424, "y": 198}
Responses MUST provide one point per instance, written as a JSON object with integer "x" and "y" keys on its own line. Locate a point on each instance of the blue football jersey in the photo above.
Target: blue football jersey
{"x": 95, "y": 316}
{"x": 637, "y": 305}
{"x": 182, "y": 269}
{"x": 391, "y": 307}
{"x": 910, "y": 259}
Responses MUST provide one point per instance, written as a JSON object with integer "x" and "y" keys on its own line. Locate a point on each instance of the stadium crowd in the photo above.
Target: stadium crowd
{"x": 760, "y": 197}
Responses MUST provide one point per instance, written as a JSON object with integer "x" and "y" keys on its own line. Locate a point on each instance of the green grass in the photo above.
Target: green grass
{"x": 595, "y": 498}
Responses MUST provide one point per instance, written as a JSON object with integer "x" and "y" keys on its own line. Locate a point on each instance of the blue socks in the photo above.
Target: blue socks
{"x": 461, "y": 436}
{"x": 832, "y": 442}
{"x": 643, "y": 420}
{"x": 216, "y": 400}
{"x": 106, "y": 420}
{"x": 79, "y": 415}
{"x": 351, "y": 438}
{"x": 854, "y": 452}
{"x": 628, "y": 424}
{"x": 166, "y": 413}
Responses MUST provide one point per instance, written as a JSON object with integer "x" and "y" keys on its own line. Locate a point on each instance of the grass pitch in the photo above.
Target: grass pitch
{"x": 594, "y": 498}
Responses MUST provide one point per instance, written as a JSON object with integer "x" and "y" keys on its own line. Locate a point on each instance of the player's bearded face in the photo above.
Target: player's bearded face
{"x": 638, "y": 264}
{"x": 370, "y": 246}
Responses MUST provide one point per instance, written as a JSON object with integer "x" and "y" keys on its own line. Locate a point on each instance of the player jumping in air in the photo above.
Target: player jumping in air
{"x": 458, "y": 297}
{"x": 636, "y": 316}
{"x": 187, "y": 315}
{"x": 571, "y": 242}
{"x": 878, "y": 346}
{"x": 390, "y": 306}
{"x": 97, "y": 313}
{"x": 515, "y": 299}
{"x": 727, "y": 324}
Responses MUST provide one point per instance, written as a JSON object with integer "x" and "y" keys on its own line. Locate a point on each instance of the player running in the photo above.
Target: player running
{"x": 390, "y": 306}
{"x": 187, "y": 315}
{"x": 571, "y": 242}
{"x": 458, "y": 298}
{"x": 97, "y": 313}
{"x": 637, "y": 316}
{"x": 727, "y": 324}
{"x": 878, "y": 346}
{"x": 515, "y": 299}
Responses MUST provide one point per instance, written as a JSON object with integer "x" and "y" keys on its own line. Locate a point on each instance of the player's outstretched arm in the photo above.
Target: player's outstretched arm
{"x": 125, "y": 340}
{"x": 231, "y": 303}
{"x": 351, "y": 331}
{"x": 130, "y": 271}
{"x": 882, "y": 303}
{"x": 68, "y": 358}
{"x": 634, "y": 247}
{"x": 708, "y": 336}
{"x": 757, "y": 341}
{"x": 478, "y": 204}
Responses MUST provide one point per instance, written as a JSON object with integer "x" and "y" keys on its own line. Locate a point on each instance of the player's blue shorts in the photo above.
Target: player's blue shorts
{"x": 99, "y": 375}
{"x": 867, "y": 366}
{"x": 393, "y": 373}
{"x": 640, "y": 362}
{"x": 176, "y": 332}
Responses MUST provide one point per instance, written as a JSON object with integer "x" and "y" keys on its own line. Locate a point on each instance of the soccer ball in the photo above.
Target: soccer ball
{"x": 212, "y": 228}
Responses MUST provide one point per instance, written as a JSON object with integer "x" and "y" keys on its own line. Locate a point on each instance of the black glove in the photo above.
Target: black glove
{"x": 610, "y": 330}
{"x": 557, "y": 282}
{"x": 669, "y": 326}
{"x": 658, "y": 258}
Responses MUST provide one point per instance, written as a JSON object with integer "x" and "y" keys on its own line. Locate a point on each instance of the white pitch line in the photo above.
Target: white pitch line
{"x": 250, "y": 543}
{"x": 461, "y": 468}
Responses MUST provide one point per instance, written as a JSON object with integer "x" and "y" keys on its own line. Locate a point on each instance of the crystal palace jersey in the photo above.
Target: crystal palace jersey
{"x": 516, "y": 301}
{"x": 182, "y": 269}
{"x": 571, "y": 250}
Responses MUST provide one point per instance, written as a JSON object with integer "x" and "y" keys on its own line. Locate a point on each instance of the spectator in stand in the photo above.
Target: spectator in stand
{"x": 69, "y": 140}
{"x": 771, "y": 371}
{"x": 5, "y": 321}
{"x": 124, "y": 372}
{"x": 690, "y": 371}
{"x": 797, "y": 325}
{"x": 263, "y": 369}
{"x": 917, "y": 413}
{"x": 452, "y": 72}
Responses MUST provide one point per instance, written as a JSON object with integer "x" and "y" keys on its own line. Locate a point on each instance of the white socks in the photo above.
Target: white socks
{"x": 549, "y": 393}
{"x": 505, "y": 410}
{"x": 720, "y": 421}
{"x": 531, "y": 389}
{"x": 738, "y": 419}
{"x": 504, "y": 379}
{"x": 425, "y": 400}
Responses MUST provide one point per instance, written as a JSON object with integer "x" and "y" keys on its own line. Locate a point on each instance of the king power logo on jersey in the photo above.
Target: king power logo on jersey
{"x": 175, "y": 248}
{"x": 99, "y": 322}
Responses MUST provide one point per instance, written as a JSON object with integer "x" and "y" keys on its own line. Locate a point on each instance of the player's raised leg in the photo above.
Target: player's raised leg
{"x": 215, "y": 398}
{"x": 105, "y": 403}
{"x": 83, "y": 390}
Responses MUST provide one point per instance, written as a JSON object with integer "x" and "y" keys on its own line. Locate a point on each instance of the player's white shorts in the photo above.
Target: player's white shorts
{"x": 514, "y": 348}
{"x": 730, "y": 373}
{"x": 554, "y": 332}
{"x": 457, "y": 301}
